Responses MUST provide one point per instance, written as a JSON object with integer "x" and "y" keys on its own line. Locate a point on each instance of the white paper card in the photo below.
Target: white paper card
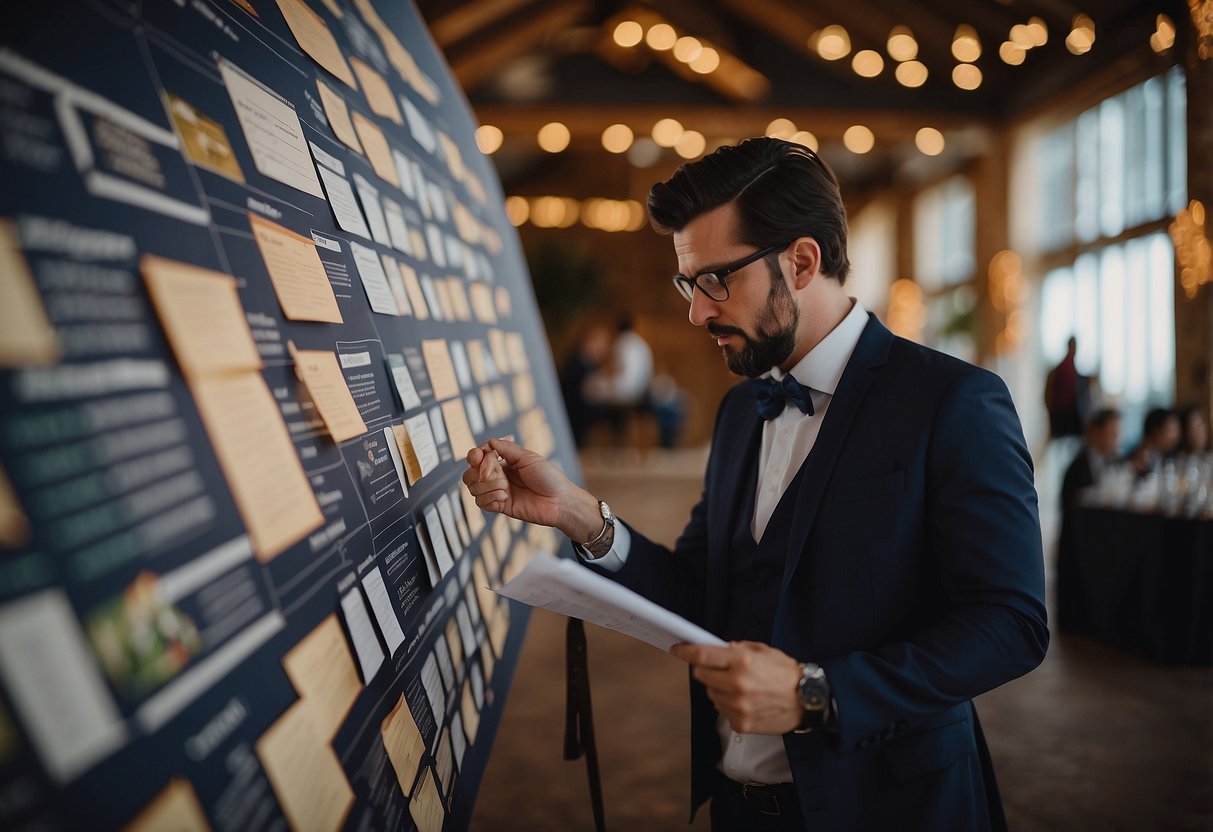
{"x": 447, "y": 516}
{"x": 374, "y": 281}
{"x": 362, "y": 632}
{"x": 432, "y": 683}
{"x": 368, "y": 195}
{"x": 397, "y": 230}
{"x": 381, "y": 603}
{"x": 433, "y": 525}
{"x": 421, "y": 436}
{"x": 345, "y": 207}
{"x": 404, "y": 383}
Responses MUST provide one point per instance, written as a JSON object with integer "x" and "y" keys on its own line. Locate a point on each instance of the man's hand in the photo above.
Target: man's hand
{"x": 508, "y": 479}
{"x": 752, "y": 685}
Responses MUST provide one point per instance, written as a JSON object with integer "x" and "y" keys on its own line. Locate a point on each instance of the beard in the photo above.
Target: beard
{"x": 774, "y": 334}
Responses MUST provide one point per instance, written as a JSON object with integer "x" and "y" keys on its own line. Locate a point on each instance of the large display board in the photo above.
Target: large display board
{"x": 258, "y": 297}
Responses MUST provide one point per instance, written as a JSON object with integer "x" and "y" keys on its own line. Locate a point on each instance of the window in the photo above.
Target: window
{"x": 944, "y": 264}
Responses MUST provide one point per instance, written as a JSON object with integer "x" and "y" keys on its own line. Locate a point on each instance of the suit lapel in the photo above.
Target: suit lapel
{"x": 870, "y": 354}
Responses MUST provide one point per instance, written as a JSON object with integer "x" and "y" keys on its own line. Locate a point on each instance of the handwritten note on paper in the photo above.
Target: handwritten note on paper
{"x": 422, "y": 446}
{"x": 322, "y": 671}
{"x": 315, "y": 39}
{"x": 368, "y": 195}
{"x": 433, "y": 527}
{"x": 403, "y": 381}
{"x": 404, "y": 744}
{"x": 303, "y": 769}
{"x": 381, "y": 606}
{"x": 426, "y": 807}
{"x": 272, "y": 131}
{"x": 457, "y": 427}
{"x": 26, "y": 334}
{"x": 377, "y": 149}
{"x": 202, "y": 316}
{"x": 412, "y": 285}
{"x": 570, "y": 589}
{"x": 295, "y": 270}
{"x": 321, "y": 374}
{"x": 259, "y": 460}
{"x": 441, "y": 369}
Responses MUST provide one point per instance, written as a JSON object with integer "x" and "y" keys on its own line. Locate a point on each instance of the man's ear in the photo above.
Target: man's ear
{"x": 806, "y": 261}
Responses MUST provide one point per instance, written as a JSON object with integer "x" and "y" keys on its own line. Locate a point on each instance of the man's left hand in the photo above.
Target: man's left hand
{"x": 752, "y": 685}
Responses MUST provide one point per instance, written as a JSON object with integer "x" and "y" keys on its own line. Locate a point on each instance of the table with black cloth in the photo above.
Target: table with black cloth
{"x": 1148, "y": 582}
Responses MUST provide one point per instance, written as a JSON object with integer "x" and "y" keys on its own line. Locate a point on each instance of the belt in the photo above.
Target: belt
{"x": 767, "y": 799}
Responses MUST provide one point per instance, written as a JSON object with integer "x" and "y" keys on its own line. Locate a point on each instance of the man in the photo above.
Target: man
{"x": 622, "y": 387}
{"x": 871, "y": 551}
{"x": 1099, "y": 450}
{"x": 1160, "y": 435}
{"x": 1067, "y": 395}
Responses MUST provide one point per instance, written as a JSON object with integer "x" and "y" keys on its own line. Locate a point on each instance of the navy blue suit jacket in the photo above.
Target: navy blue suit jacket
{"x": 914, "y": 575}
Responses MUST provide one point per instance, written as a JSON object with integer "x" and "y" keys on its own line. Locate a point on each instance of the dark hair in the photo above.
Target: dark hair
{"x": 783, "y": 191}
{"x": 1102, "y": 417}
{"x": 1155, "y": 420}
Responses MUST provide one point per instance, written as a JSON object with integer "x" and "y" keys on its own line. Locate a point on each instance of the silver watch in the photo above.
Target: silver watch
{"x": 814, "y": 693}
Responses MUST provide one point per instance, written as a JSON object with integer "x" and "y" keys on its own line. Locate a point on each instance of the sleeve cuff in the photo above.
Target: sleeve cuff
{"x": 616, "y": 557}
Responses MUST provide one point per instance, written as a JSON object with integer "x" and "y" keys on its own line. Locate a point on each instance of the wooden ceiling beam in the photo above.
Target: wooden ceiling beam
{"x": 793, "y": 26}
{"x": 471, "y": 18}
{"x": 480, "y": 61}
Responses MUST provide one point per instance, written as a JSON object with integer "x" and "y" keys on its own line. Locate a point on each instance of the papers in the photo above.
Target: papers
{"x": 322, "y": 671}
{"x": 441, "y": 370}
{"x": 426, "y": 806}
{"x": 315, "y": 38}
{"x": 368, "y": 195}
{"x": 471, "y": 714}
{"x": 377, "y": 150}
{"x": 299, "y": 279}
{"x": 431, "y": 680}
{"x": 404, "y": 382}
{"x": 26, "y": 335}
{"x": 381, "y": 606}
{"x": 447, "y": 516}
{"x": 272, "y": 493}
{"x": 573, "y": 590}
{"x": 397, "y": 230}
{"x": 378, "y": 93}
{"x": 362, "y": 633}
{"x": 175, "y": 808}
{"x": 404, "y": 744}
{"x": 272, "y": 131}
{"x": 339, "y": 117}
{"x": 438, "y": 544}
{"x": 418, "y": 446}
{"x": 416, "y": 296}
{"x": 202, "y": 317}
{"x": 463, "y": 370}
{"x": 321, "y": 374}
{"x": 306, "y": 775}
{"x": 374, "y": 281}
{"x": 204, "y": 140}
{"x": 341, "y": 200}
{"x": 457, "y": 426}
{"x": 14, "y": 525}
{"x": 392, "y": 268}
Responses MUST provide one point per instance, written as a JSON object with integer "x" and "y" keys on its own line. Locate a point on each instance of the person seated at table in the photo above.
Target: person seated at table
{"x": 1194, "y": 433}
{"x": 1159, "y": 437}
{"x": 1100, "y": 440}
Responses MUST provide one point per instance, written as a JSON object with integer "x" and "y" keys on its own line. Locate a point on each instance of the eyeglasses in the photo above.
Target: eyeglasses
{"x": 712, "y": 283}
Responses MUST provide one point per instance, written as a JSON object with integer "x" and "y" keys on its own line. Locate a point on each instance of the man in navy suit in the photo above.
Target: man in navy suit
{"x": 867, "y": 540}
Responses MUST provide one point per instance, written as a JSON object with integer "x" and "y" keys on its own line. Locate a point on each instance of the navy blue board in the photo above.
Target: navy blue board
{"x": 142, "y": 632}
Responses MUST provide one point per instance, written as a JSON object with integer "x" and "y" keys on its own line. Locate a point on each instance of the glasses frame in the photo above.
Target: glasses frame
{"x": 686, "y": 285}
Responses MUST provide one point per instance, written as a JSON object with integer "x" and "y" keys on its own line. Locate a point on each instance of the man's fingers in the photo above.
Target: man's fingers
{"x": 474, "y": 456}
{"x": 702, "y": 655}
{"x": 477, "y": 489}
{"x": 510, "y": 452}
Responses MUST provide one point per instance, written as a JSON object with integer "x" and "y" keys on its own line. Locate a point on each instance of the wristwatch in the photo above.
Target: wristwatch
{"x": 814, "y": 693}
{"x": 600, "y": 545}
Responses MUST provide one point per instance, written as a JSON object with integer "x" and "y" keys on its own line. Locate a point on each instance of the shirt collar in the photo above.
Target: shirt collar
{"x": 822, "y": 367}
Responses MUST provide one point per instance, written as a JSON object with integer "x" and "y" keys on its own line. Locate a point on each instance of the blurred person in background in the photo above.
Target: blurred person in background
{"x": 621, "y": 387}
{"x": 1194, "y": 432}
{"x": 589, "y": 356}
{"x": 1160, "y": 435}
{"x": 1099, "y": 450}
{"x": 1067, "y": 395}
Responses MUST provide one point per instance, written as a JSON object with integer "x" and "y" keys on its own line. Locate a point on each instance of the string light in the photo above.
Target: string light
{"x": 807, "y": 139}
{"x": 966, "y": 76}
{"x": 901, "y": 44}
{"x": 965, "y": 45}
{"x": 1082, "y": 35}
{"x": 832, "y": 43}
{"x": 858, "y": 139}
{"x": 691, "y": 144}
{"x": 617, "y": 138}
{"x": 489, "y": 138}
{"x": 628, "y": 33}
{"x": 781, "y": 128}
{"x": 867, "y": 63}
{"x": 687, "y": 48}
{"x": 667, "y": 132}
{"x": 1164, "y": 34}
{"x": 1011, "y": 53}
{"x": 911, "y": 74}
{"x": 554, "y": 137}
{"x": 706, "y": 61}
{"x": 929, "y": 141}
{"x": 661, "y": 37}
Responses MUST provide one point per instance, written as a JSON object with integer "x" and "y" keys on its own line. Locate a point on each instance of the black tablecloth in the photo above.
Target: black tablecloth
{"x": 1148, "y": 582}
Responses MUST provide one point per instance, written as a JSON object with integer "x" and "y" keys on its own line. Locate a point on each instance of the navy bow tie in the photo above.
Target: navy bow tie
{"x": 774, "y": 395}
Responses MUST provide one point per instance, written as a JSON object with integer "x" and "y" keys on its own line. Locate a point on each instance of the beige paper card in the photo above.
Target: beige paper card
{"x": 489, "y": 663}
{"x": 378, "y": 93}
{"x": 471, "y": 714}
{"x": 332, "y": 6}
{"x": 404, "y": 744}
{"x": 322, "y": 670}
{"x": 306, "y": 775}
{"x": 175, "y": 809}
{"x": 454, "y": 159}
{"x": 459, "y": 299}
{"x": 476, "y": 361}
{"x": 482, "y": 303}
{"x": 377, "y": 150}
{"x": 14, "y": 524}
{"x": 315, "y": 38}
{"x": 202, "y": 317}
{"x": 426, "y": 806}
{"x": 416, "y": 294}
{"x": 299, "y": 279}
{"x": 501, "y": 534}
{"x": 412, "y": 467}
{"x": 499, "y": 628}
{"x": 524, "y": 391}
{"x": 504, "y": 305}
{"x": 26, "y": 334}
{"x": 443, "y": 290}
{"x": 321, "y": 374}
{"x": 204, "y": 139}
{"x": 499, "y": 349}
{"x": 457, "y": 428}
{"x": 455, "y": 643}
{"x": 441, "y": 369}
{"x": 488, "y": 552}
{"x": 484, "y": 589}
{"x": 475, "y": 516}
{"x": 517, "y": 349}
{"x": 339, "y": 116}
{"x": 259, "y": 460}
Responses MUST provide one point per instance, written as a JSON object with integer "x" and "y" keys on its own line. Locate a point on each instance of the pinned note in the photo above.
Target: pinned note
{"x": 305, "y": 773}
{"x": 374, "y": 280}
{"x": 441, "y": 369}
{"x": 338, "y": 115}
{"x": 321, "y": 374}
{"x": 175, "y": 808}
{"x": 295, "y": 270}
{"x": 26, "y": 334}
{"x": 377, "y": 149}
{"x": 341, "y": 200}
{"x": 322, "y": 671}
{"x": 457, "y": 427}
{"x": 404, "y": 744}
{"x": 315, "y": 39}
{"x": 426, "y": 807}
{"x": 378, "y": 93}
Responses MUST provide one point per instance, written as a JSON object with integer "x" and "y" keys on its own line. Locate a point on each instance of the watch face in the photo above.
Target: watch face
{"x": 812, "y": 694}
{"x": 607, "y": 514}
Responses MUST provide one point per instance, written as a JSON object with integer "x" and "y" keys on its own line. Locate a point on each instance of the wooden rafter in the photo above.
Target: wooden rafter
{"x": 477, "y": 62}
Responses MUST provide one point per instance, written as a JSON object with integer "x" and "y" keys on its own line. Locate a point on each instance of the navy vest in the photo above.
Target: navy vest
{"x": 756, "y": 569}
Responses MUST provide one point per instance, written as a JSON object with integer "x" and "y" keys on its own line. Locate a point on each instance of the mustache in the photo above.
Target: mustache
{"x": 719, "y": 331}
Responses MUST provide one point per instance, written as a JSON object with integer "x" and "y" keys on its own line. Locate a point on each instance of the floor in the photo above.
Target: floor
{"x": 1091, "y": 740}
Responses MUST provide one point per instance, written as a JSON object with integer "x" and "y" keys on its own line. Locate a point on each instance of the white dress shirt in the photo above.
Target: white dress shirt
{"x": 786, "y": 442}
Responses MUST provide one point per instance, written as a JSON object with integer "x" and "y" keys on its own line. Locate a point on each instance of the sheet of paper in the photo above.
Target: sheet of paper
{"x": 489, "y": 662}
{"x": 295, "y": 270}
{"x": 202, "y": 316}
{"x": 175, "y": 808}
{"x": 393, "y": 448}
{"x": 345, "y": 207}
{"x": 475, "y": 517}
{"x": 433, "y": 527}
{"x": 321, "y": 374}
{"x": 378, "y": 93}
{"x": 457, "y": 426}
{"x": 501, "y": 535}
{"x": 433, "y": 238}
{"x": 447, "y": 515}
{"x": 475, "y": 415}
{"x": 482, "y": 303}
{"x": 499, "y": 630}
{"x": 322, "y": 671}
{"x": 438, "y": 426}
{"x": 443, "y": 654}
{"x": 338, "y": 115}
{"x": 303, "y": 769}
{"x": 444, "y": 762}
{"x": 381, "y": 606}
{"x": 315, "y": 39}
{"x": 420, "y": 126}
{"x": 455, "y": 642}
{"x": 397, "y": 229}
{"x": 469, "y": 711}
{"x": 422, "y": 444}
{"x": 426, "y": 807}
{"x": 404, "y": 170}
{"x": 203, "y": 139}
{"x": 377, "y": 149}
{"x": 26, "y": 334}
{"x": 441, "y": 370}
{"x": 465, "y": 536}
{"x": 477, "y": 685}
{"x": 431, "y": 680}
{"x": 396, "y": 281}
{"x": 443, "y": 289}
{"x": 324, "y": 159}
{"x": 271, "y": 131}
{"x": 368, "y": 195}
{"x": 416, "y": 296}
{"x": 459, "y": 299}
{"x": 362, "y": 633}
{"x": 374, "y": 281}
{"x": 485, "y": 597}
{"x": 458, "y": 739}
{"x": 403, "y": 381}
{"x": 431, "y": 560}
{"x": 259, "y": 460}
{"x": 466, "y": 632}
{"x": 570, "y": 589}
{"x": 404, "y": 744}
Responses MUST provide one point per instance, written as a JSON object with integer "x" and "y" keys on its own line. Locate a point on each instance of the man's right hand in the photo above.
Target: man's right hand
{"x": 508, "y": 479}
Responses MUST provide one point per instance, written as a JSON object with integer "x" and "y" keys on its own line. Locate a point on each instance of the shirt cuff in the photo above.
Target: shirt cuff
{"x": 616, "y": 556}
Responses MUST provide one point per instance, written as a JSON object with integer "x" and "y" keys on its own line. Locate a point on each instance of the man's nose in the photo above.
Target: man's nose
{"x": 703, "y": 308}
